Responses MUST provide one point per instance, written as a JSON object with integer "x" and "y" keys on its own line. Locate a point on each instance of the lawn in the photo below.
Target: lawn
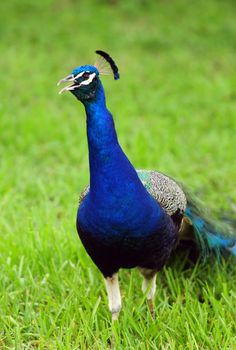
{"x": 175, "y": 111}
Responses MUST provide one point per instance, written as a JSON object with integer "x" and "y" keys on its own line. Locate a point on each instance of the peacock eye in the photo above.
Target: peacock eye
{"x": 86, "y": 75}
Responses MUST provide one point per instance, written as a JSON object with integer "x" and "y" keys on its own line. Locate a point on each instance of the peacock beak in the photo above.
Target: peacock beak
{"x": 69, "y": 78}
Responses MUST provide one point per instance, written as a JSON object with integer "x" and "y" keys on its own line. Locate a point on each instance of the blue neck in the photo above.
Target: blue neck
{"x": 117, "y": 202}
{"x": 100, "y": 130}
{"x": 111, "y": 173}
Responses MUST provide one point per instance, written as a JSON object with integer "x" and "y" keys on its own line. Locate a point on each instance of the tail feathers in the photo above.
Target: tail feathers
{"x": 211, "y": 233}
{"x": 233, "y": 249}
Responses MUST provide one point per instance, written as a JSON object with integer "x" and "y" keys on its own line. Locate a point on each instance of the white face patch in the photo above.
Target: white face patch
{"x": 72, "y": 78}
{"x": 79, "y": 75}
{"x": 89, "y": 80}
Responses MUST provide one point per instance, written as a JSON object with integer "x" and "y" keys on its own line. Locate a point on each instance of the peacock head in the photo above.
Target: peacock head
{"x": 84, "y": 80}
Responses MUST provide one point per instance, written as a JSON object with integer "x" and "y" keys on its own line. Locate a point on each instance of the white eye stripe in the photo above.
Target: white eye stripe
{"x": 89, "y": 80}
{"x": 72, "y": 78}
{"x": 79, "y": 75}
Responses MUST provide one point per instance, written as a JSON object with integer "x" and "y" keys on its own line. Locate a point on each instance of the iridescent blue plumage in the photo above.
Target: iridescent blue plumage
{"x": 85, "y": 68}
{"x": 130, "y": 218}
{"x": 119, "y": 214}
{"x": 211, "y": 233}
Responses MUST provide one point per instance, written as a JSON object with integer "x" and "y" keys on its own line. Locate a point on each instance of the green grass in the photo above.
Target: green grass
{"x": 175, "y": 111}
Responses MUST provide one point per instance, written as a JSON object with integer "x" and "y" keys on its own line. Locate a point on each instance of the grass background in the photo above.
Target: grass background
{"x": 175, "y": 111}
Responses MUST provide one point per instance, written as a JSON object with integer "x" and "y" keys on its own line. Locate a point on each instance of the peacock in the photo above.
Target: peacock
{"x": 131, "y": 218}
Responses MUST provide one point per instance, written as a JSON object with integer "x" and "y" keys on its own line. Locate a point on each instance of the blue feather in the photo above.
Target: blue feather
{"x": 211, "y": 233}
{"x": 119, "y": 222}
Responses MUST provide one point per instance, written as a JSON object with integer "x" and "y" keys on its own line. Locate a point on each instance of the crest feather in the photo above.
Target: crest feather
{"x": 106, "y": 65}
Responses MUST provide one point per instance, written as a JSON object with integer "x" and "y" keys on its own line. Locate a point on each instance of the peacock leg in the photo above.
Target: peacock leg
{"x": 113, "y": 293}
{"x": 149, "y": 287}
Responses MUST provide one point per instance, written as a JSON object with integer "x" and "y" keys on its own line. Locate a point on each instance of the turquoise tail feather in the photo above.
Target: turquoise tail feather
{"x": 211, "y": 233}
